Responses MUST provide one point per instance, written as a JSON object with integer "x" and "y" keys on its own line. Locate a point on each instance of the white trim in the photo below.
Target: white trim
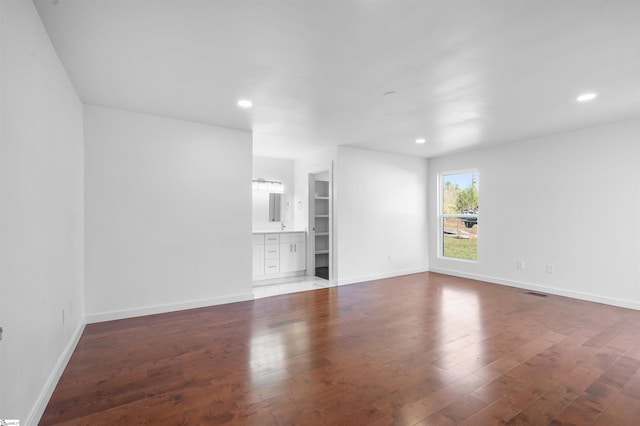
{"x": 440, "y": 216}
{"x": 363, "y": 278}
{"x": 45, "y": 395}
{"x": 311, "y": 218}
{"x": 170, "y": 307}
{"x": 589, "y": 297}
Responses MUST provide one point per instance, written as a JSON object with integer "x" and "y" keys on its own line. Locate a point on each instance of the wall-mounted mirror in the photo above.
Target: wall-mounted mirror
{"x": 274, "y": 207}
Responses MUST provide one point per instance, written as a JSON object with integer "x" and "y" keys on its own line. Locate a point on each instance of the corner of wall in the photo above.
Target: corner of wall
{"x": 52, "y": 381}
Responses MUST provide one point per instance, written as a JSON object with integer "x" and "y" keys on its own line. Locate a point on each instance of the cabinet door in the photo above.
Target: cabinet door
{"x": 286, "y": 257}
{"x": 258, "y": 260}
{"x": 299, "y": 257}
{"x": 293, "y": 257}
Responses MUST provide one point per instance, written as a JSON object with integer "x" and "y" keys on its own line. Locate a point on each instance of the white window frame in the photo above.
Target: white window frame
{"x": 442, "y": 216}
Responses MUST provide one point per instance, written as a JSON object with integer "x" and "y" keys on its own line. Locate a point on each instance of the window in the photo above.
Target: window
{"x": 459, "y": 215}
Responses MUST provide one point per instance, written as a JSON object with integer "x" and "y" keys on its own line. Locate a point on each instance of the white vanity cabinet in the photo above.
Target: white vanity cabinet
{"x": 271, "y": 255}
{"x": 292, "y": 252}
{"x": 278, "y": 255}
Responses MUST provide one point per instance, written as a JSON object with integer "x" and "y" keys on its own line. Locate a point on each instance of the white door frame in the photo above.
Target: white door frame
{"x": 326, "y": 167}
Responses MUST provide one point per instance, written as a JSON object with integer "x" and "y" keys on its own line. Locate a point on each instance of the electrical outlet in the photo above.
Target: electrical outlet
{"x": 550, "y": 268}
{"x": 520, "y": 265}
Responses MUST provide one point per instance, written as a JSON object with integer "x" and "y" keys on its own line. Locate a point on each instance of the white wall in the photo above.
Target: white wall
{"x": 279, "y": 170}
{"x": 168, "y": 214}
{"x": 41, "y": 215}
{"x": 381, "y": 202}
{"x": 570, "y": 200}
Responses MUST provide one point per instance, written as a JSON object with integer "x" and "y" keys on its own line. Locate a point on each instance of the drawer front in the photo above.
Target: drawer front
{"x": 271, "y": 266}
{"x": 258, "y": 239}
{"x": 292, "y": 237}
{"x": 272, "y": 251}
{"x": 272, "y": 238}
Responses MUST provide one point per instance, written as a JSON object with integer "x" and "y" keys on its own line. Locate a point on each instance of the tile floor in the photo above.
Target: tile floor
{"x": 289, "y": 285}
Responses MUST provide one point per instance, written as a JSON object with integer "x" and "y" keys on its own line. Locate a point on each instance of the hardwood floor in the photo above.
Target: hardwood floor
{"x": 423, "y": 349}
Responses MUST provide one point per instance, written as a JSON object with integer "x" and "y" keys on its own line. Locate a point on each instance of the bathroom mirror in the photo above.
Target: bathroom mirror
{"x": 274, "y": 207}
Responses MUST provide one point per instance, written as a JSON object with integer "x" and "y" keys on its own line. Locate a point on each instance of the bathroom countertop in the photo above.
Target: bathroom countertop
{"x": 277, "y": 231}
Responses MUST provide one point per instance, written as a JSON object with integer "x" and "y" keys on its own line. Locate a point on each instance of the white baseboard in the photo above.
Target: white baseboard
{"x": 161, "y": 309}
{"x": 542, "y": 289}
{"x": 43, "y": 399}
{"x": 363, "y": 278}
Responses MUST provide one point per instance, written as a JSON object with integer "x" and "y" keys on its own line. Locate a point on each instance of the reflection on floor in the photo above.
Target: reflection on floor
{"x": 291, "y": 285}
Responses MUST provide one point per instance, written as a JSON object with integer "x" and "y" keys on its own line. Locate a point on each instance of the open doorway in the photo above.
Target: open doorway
{"x": 320, "y": 224}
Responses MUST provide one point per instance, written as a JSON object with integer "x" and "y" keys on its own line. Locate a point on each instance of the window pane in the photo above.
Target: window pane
{"x": 460, "y": 193}
{"x": 460, "y": 237}
{"x": 460, "y": 197}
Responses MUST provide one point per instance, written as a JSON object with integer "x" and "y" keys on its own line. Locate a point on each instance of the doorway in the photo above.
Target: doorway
{"x": 321, "y": 224}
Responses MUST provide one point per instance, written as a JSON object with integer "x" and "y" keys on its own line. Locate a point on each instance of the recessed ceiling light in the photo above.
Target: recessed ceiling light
{"x": 585, "y": 97}
{"x": 245, "y": 103}
{"x": 421, "y": 140}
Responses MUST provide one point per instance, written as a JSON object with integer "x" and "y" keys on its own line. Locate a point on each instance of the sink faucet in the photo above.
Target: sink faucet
{"x": 283, "y": 226}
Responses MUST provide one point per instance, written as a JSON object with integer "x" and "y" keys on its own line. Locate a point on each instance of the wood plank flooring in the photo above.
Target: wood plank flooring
{"x": 423, "y": 349}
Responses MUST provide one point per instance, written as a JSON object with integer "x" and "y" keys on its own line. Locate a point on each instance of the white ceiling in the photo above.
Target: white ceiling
{"x": 467, "y": 72}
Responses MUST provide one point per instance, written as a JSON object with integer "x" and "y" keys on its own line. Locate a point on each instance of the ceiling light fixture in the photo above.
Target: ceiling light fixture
{"x": 421, "y": 140}
{"x": 245, "y": 103}
{"x": 585, "y": 97}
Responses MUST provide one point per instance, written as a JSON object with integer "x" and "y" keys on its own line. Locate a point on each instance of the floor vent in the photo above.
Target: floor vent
{"x": 533, "y": 293}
